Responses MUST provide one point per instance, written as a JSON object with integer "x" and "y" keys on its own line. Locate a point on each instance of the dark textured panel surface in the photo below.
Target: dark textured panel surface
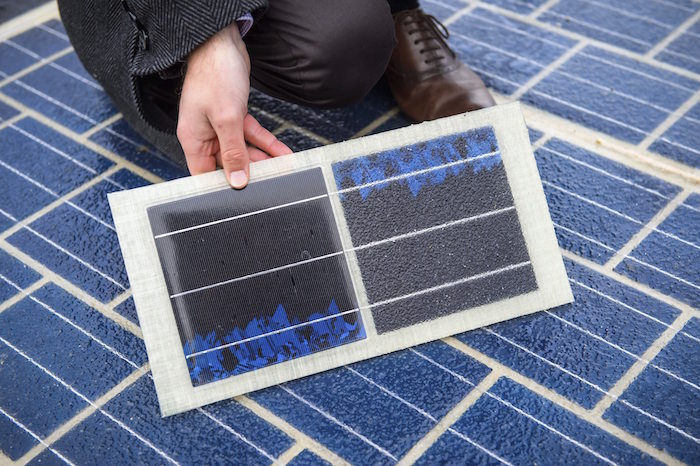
{"x": 227, "y": 203}
{"x": 400, "y": 267}
{"x": 249, "y": 245}
{"x": 446, "y": 301}
{"x": 438, "y": 214}
{"x": 304, "y": 290}
{"x": 268, "y": 286}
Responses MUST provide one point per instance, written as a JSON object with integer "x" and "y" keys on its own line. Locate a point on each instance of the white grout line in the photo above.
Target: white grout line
{"x": 88, "y": 401}
{"x": 429, "y": 416}
{"x": 35, "y": 436}
{"x": 339, "y": 423}
{"x": 516, "y": 409}
{"x": 591, "y": 384}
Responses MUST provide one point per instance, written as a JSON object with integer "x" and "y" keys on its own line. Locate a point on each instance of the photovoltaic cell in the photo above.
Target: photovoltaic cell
{"x": 338, "y": 254}
{"x": 440, "y": 225}
{"x": 256, "y": 277}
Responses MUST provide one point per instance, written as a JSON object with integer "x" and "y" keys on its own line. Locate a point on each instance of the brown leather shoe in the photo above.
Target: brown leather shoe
{"x": 425, "y": 76}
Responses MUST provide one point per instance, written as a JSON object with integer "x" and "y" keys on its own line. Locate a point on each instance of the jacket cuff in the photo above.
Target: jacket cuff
{"x": 167, "y": 31}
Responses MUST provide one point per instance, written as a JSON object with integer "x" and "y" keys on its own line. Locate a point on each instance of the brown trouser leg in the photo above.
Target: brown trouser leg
{"x": 326, "y": 53}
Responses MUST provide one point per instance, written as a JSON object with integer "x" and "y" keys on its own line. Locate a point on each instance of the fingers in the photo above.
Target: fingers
{"x": 232, "y": 147}
{"x": 256, "y": 155}
{"x": 197, "y": 144}
{"x": 261, "y": 138}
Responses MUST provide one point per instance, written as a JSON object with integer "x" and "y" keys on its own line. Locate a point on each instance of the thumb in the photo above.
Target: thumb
{"x": 234, "y": 154}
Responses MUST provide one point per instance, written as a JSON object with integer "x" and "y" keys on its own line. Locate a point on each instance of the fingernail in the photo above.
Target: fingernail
{"x": 238, "y": 179}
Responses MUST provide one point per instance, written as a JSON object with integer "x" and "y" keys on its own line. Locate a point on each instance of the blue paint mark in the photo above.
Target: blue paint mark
{"x": 433, "y": 153}
{"x": 271, "y": 349}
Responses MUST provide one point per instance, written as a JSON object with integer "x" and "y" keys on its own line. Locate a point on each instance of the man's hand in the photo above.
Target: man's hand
{"x": 214, "y": 126}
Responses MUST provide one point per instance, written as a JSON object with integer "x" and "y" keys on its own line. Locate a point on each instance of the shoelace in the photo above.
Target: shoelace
{"x": 436, "y": 32}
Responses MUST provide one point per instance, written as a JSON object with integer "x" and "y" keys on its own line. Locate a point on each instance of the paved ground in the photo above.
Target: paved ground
{"x": 611, "y": 91}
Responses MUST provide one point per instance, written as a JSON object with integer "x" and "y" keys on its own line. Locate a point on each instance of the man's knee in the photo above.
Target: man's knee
{"x": 352, "y": 54}
{"x": 353, "y": 60}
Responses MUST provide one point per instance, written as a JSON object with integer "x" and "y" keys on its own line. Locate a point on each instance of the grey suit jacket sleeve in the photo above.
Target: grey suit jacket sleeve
{"x": 127, "y": 45}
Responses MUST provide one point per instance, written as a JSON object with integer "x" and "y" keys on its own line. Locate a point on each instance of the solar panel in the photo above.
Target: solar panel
{"x": 338, "y": 254}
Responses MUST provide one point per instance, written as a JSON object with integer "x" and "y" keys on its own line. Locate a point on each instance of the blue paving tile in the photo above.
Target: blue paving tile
{"x": 632, "y": 24}
{"x": 682, "y": 52}
{"x": 72, "y": 355}
{"x": 125, "y": 142}
{"x": 43, "y": 40}
{"x": 23, "y": 50}
{"x": 57, "y": 163}
{"x": 99, "y": 440}
{"x": 122, "y": 341}
{"x": 519, "y": 6}
{"x": 14, "y": 272}
{"x": 518, "y": 438}
{"x": 681, "y": 141}
{"x": 385, "y": 423}
{"x": 692, "y": 328}
{"x": 670, "y": 255}
{"x": 665, "y": 264}
{"x": 333, "y": 124}
{"x": 395, "y": 122}
{"x": 297, "y": 141}
{"x": 534, "y": 135}
{"x": 663, "y": 398}
{"x": 596, "y": 204}
{"x": 63, "y": 92}
{"x": 442, "y": 9}
{"x": 33, "y": 398}
{"x": 413, "y": 378}
{"x": 586, "y": 365}
{"x": 94, "y": 200}
{"x": 187, "y": 437}
{"x": 20, "y": 197}
{"x": 307, "y": 458}
{"x": 258, "y": 431}
{"x": 128, "y": 310}
{"x": 506, "y": 53}
{"x": 16, "y": 441}
{"x": 91, "y": 259}
{"x": 586, "y": 65}
{"x": 593, "y": 97}
{"x": 265, "y": 120}
{"x": 7, "y": 112}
